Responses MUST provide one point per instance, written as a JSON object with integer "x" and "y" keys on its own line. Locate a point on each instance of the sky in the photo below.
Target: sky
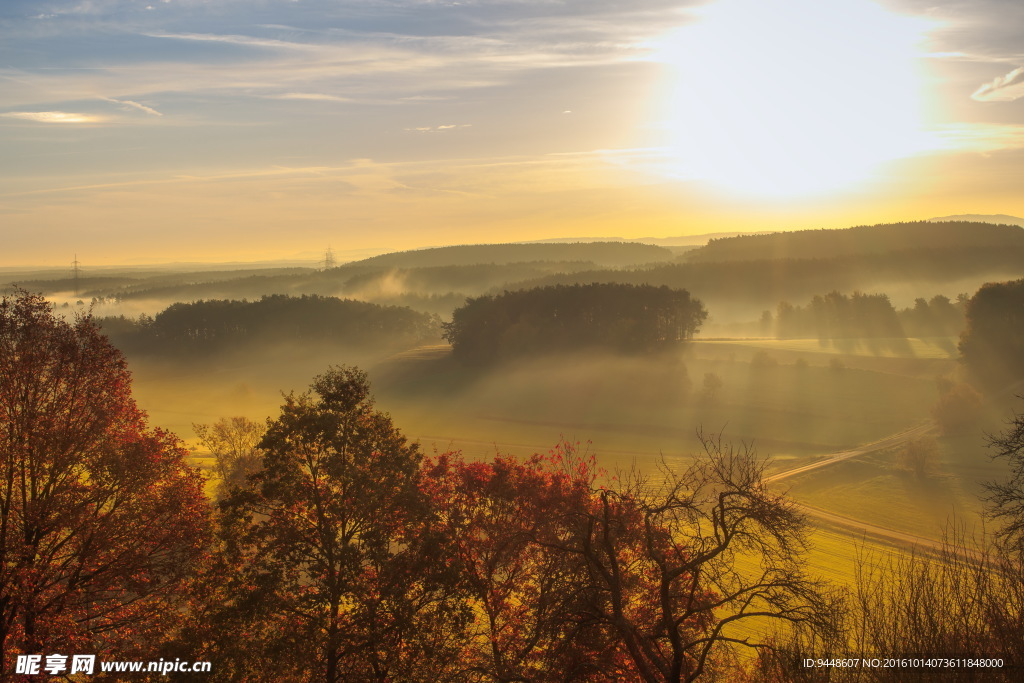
{"x": 148, "y": 131}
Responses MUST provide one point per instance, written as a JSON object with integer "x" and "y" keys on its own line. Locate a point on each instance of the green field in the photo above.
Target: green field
{"x": 640, "y": 407}
{"x": 786, "y": 398}
{"x": 792, "y": 405}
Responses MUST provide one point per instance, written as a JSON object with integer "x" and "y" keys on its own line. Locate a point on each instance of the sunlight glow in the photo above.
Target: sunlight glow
{"x": 52, "y": 117}
{"x": 792, "y": 98}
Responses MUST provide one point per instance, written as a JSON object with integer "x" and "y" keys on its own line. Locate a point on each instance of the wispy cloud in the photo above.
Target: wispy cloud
{"x": 247, "y": 41}
{"x": 983, "y": 138}
{"x": 437, "y": 129}
{"x": 133, "y": 105}
{"x": 53, "y": 117}
{"x": 309, "y": 96}
{"x": 1002, "y": 88}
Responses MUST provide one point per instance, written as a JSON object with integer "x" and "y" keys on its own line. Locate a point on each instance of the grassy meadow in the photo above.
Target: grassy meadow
{"x": 795, "y": 401}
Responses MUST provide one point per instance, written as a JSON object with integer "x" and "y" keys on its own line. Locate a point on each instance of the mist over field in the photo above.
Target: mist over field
{"x": 796, "y": 393}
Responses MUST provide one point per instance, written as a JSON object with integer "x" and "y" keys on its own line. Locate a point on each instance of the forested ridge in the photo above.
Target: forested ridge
{"x": 204, "y": 326}
{"x": 863, "y": 240}
{"x": 765, "y": 282}
{"x": 608, "y": 254}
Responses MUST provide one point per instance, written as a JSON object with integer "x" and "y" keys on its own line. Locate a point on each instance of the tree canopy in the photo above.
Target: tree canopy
{"x": 992, "y": 346}
{"x": 101, "y": 520}
{"x": 222, "y": 324}
{"x": 616, "y": 316}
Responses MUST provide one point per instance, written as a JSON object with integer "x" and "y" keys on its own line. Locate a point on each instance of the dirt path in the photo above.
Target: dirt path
{"x": 856, "y": 526}
{"x": 887, "y": 442}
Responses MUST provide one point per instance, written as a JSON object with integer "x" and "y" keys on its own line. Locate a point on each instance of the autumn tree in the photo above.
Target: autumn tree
{"x": 101, "y": 519}
{"x": 509, "y": 522}
{"x": 330, "y": 551}
{"x": 233, "y": 443}
{"x": 579, "y": 577}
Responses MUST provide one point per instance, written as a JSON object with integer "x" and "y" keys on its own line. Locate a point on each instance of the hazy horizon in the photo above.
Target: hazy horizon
{"x": 246, "y": 132}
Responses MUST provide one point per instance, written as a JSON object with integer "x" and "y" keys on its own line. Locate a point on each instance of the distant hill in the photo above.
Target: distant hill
{"x": 677, "y": 241}
{"x": 727, "y": 287}
{"x": 606, "y": 254}
{"x": 981, "y": 218}
{"x": 863, "y": 240}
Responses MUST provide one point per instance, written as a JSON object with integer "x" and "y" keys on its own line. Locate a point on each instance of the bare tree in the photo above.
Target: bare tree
{"x": 1006, "y": 498}
{"x": 677, "y": 568}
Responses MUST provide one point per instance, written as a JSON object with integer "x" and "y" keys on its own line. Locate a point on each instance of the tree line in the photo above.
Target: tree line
{"x": 616, "y": 316}
{"x": 862, "y": 240}
{"x": 205, "y": 326}
{"x": 766, "y": 281}
{"x": 861, "y": 316}
{"x": 992, "y": 345}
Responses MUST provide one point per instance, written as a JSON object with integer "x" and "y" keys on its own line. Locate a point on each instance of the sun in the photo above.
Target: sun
{"x": 791, "y": 98}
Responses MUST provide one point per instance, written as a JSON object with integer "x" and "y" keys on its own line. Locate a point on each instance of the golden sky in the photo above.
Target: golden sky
{"x": 239, "y": 130}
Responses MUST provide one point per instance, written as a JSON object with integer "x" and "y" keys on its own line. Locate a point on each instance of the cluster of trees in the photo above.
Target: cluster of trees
{"x": 617, "y": 316}
{"x": 935, "y": 317}
{"x": 992, "y": 345}
{"x": 860, "y": 316}
{"x": 348, "y": 555}
{"x": 838, "y": 316}
{"x": 220, "y": 324}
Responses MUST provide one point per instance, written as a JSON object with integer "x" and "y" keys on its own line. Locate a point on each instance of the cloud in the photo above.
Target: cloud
{"x": 983, "y": 138}
{"x": 133, "y": 105}
{"x": 231, "y": 39}
{"x": 53, "y": 116}
{"x": 436, "y": 129}
{"x": 1002, "y": 88}
{"x": 309, "y": 96}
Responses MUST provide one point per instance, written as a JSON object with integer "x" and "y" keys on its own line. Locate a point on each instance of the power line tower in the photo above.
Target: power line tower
{"x": 329, "y": 261}
{"x": 74, "y": 273}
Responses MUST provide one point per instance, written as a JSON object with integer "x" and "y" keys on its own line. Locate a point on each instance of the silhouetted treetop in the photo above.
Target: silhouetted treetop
{"x": 618, "y": 316}
{"x": 838, "y": 316}
{"x": 223, "y": 323}
{"x": 992, "y": 346}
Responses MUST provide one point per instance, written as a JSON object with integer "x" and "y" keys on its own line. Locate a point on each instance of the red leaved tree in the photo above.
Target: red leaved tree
{"x": 100, "y": 517}
{"x": 508, "y": 523}
{"x": 574, "y": 578}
